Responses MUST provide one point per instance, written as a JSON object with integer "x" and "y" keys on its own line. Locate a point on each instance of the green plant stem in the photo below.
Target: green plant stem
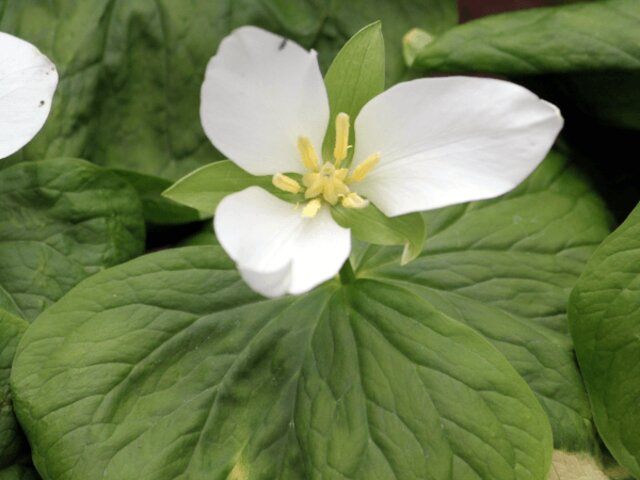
{"x": 347, "y": 275}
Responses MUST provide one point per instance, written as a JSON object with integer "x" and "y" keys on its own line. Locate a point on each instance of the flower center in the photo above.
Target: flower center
{"x": 329, "y": 182}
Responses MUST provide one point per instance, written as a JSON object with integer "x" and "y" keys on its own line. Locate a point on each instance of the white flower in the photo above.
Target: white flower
{"x": 420, "y": 145}
{"x": 28, "y": 80}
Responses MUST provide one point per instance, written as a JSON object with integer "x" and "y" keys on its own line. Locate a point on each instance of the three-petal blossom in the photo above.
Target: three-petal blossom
{"x": 28, "y": 81}
{"x": 420, "y": 145}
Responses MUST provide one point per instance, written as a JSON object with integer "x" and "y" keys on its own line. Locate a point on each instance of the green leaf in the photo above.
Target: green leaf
{"x": 605, "y": 321}
{"x": 506, "y": 267}
{"x": 12, "y": 441}
{"x": 603, "y": 35}
{"x": 371, "y": 225}
{"x": 355, "y": 77}
{"x": 62, "y": 221}
{"x": 168, "y": 368}
{"x": 131, "y": 72}
{"x": 207, "y": 186}
{"x": 158, "y": 209}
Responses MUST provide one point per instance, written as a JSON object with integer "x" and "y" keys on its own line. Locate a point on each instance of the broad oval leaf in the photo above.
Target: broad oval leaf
{"x": 62, "y": 220}
{"x": 589, "y": 36}
{"x": 167, "y": 367}
{"x": 506, "y": 267}
{"x": 605, "y": 325}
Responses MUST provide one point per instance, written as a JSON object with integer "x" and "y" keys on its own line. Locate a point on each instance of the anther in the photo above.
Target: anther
{"x": 342, "y": 138}
{"x": 353, "y": 200}
{"x": 308, "y": 153}
{"x": 285, "y": 183}
{"x": 364, "y": 168}
{"x": 311, "y": 208}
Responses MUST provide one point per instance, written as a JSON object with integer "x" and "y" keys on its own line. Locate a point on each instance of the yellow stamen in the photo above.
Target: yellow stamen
{"x": 285, "y": 183}
{"x": 308, "y": 153}
{"x": 311, "y": 209}
{"x": 364, "y": 168}
{"x": 342, "y": 138}
{"x": 353, "y": 200}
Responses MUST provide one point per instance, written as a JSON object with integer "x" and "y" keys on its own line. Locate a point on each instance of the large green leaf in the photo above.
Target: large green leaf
{"x": 605, "y": 325}
{"x": 62, "y": 220}
{"x": 603, "y": 35}
{"x": 506, "y": 267}
{"x": 14, "y": 450}
{"x": 167, "y": 367}
{"x": 131, "y": 71}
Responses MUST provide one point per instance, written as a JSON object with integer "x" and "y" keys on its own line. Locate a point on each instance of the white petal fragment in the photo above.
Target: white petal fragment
{"x": 277, "y": 250}
{"x": 28, "y": 81}
{"x": 450, "y": 140}
{"x": 260, "y": 93}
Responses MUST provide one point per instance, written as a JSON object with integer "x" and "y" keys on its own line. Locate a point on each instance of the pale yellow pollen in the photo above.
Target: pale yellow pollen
{"x": 308, "y": 153}
{"x": 328, "y": 182}
{"x": 353, "y": 200}
{"x": 311, "y": 209}
{"x": 364, "y": 168}
{"x": 286, "y": 183}
{"x": 342, "y": 138}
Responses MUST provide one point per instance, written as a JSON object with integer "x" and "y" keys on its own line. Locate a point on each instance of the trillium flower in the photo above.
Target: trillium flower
{"x": 420, "y": 145}
{"x": 28, "y": 80}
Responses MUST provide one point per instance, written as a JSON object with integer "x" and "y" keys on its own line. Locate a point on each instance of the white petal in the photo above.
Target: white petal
{"x": 450, "y": 140}
{"x": 277, "y": 250}
{"x": 28, "y": 80}
{"x": 260, "y": 93}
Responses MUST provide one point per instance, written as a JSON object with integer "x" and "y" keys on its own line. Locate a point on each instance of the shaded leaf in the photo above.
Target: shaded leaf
{"x": 12, "y": 441}
{"x": 62, "y": 221}
{"x": 605, "y": 321}
{"x": 158, "y": 209}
